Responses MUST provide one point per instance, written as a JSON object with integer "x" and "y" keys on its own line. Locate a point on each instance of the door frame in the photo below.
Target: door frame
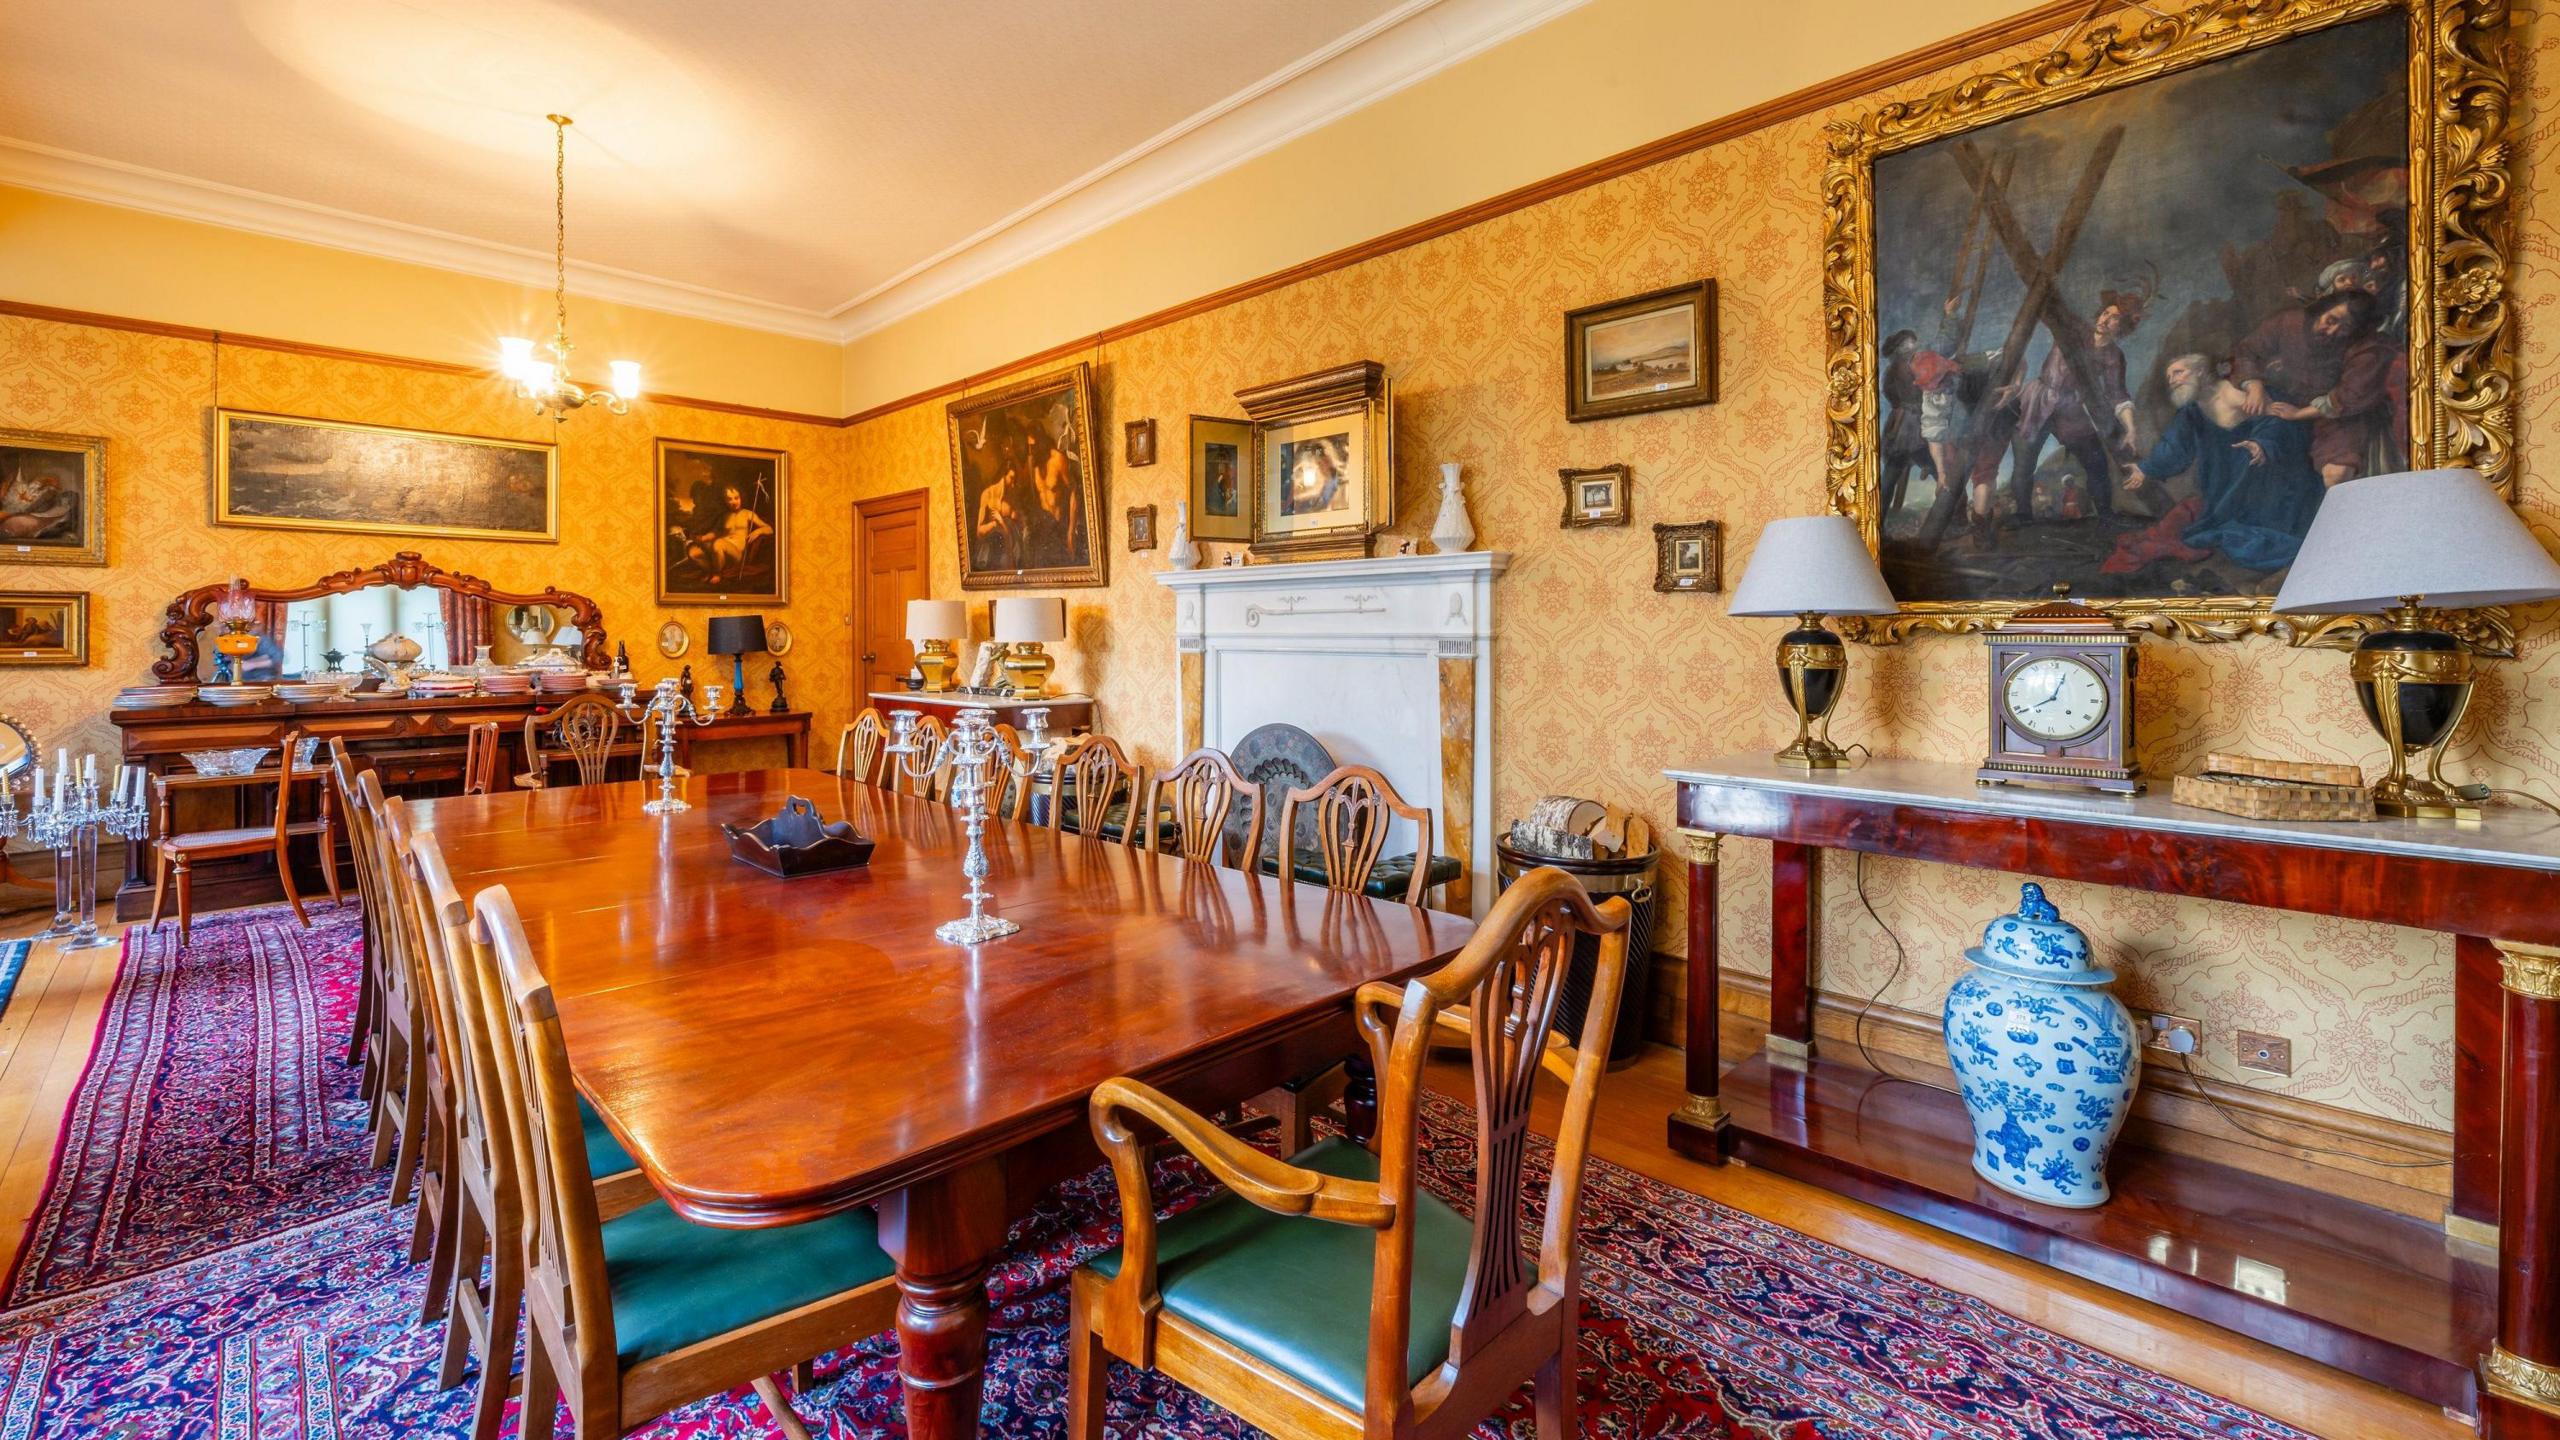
{"x": 920, "y": 501}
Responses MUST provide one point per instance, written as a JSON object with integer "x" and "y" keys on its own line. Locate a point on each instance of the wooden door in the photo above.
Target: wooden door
{"x": 889, "y": 570}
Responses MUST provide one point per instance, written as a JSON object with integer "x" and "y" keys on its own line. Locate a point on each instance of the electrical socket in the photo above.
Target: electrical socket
{"x": 2271, "y": 1054}
{"x": 2161, "y": 1031}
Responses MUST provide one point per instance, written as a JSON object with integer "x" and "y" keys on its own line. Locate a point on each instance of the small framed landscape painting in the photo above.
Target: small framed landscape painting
{"x": 1688, "y": 557}
{"x": 1655, "y": 351}
{"x": 723, "y": 524}
{"x": 283, "y": 472}
{"x": 44, "y": 627}
{"x": 1026, "y": 475}
{"x": 52, "y": 498}
{"x": 1597, "y": 497}
{"x": 1221, "y": 478}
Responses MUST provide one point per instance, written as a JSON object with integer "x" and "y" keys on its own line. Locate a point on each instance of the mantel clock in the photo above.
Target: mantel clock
{"x": 2062, "y": 699}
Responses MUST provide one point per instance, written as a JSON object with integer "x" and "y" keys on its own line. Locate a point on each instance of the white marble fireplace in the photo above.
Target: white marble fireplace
{"x": 1388, "y": 661}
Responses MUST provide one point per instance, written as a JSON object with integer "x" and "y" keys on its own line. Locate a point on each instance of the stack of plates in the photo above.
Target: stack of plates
{"x": 561, "y": 682}
{"x": 303, "y": 692}
{"x": 431, "y": 687}
{"x": 506, "y": 682}
{"x": 154, "y": 697}
{"x": 235, "y": 694}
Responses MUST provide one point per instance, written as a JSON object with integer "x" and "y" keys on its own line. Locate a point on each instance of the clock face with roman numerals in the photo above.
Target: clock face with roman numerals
{"x": 2055, "y": 698}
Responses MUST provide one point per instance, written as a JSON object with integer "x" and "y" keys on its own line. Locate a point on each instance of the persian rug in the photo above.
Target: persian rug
{"x": 216, "y": 1106}
{"x": 280, "y": 1307}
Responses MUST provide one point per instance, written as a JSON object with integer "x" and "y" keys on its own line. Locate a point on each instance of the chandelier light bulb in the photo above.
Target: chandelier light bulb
{"x": 539, "y": 376}
{"x": 626, "y": 379}
{"x": 515, "y": 356}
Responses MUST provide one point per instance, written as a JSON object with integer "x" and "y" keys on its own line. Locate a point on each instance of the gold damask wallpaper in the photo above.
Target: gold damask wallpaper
{"x": 1602, "y": 683}
{"x": 153, "y": 397}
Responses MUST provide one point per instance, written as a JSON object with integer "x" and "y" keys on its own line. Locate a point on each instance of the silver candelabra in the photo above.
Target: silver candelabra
{"x": 669, "y": 707}
{"x": 66, "y": 818}
{"x": 972, "y": 751}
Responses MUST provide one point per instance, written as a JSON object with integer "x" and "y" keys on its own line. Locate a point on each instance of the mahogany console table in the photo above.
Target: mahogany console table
{"x": 789, "y": 726}
{"x": 1068, "y": 714}
{"x": 2393, "y": 1299}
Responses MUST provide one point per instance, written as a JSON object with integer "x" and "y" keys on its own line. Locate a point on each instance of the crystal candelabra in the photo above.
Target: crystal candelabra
{"x": 66, "y": 818}
{"x": 972, "y": 751}
{"x": 669, "y": 707}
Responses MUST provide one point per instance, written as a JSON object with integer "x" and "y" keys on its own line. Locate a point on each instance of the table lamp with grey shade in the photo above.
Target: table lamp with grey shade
{"x": 1810, "y": 566}
{"x": 2398, "y": 545}
{"x": 1023, "y": 623}
{"x": 737, "y": 636}
{"x": 933, "y": 625}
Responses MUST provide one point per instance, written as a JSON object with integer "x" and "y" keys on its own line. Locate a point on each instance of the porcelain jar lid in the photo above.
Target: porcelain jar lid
{"x": 2035, "y": 940}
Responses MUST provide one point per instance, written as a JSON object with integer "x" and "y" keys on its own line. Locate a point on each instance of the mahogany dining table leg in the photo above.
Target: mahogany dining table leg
{"x": 1698, "y": 1126}
{"x": 944, "y": 1234}
{"x": 2520, "y": 1376}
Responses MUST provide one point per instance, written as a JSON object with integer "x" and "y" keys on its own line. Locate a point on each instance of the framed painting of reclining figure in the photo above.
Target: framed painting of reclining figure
{"x": 53, "y": 491}
{"x": 2120, "y": 316}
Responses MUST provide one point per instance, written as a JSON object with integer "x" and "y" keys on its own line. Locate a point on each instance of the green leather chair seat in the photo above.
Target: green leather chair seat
{"x": 676, "y": 1283}
{"x": 1116, "y": 819}
{"x": 1295, "y": 1291}
{"x": 1387, "y": 879}
{"x": 605, "y": 1155}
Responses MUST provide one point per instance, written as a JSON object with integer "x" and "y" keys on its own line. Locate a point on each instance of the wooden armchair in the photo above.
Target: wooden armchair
{"x": 480, "y": 759}
{"x": 858, "y": 749}
{"x": 585, "y": 727}
{"x": 634, "y": 1316}
{"x": 178, "y": 852}
{"x": 403, "y": 1082}
{"x": 365, "y": 1033}
{"x": 1352, "y": 809}
{"x": 432, "y": 1103}
{"x": 930, "y": 733}
{"x": 1201, "y": 792}
{"x": 1097, "y": 773}
{"x": 1009, "y": 795}
{"x": 1253, "y": 1298}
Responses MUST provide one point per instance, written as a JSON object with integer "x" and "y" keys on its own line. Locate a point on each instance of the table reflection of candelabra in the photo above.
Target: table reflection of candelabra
{"x": 66, "y": 818}
{"x": 971, "y": 751}
{"x": 669, "y": 708}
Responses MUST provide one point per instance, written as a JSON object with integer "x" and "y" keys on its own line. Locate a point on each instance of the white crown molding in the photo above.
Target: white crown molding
{"x": 1403, "y": 47}
{"x": 1407, "y": 44}
{"x": 157, "y": 192}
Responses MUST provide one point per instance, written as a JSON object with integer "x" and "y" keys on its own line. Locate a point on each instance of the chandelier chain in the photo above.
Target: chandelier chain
{"x": 560, "y": 230}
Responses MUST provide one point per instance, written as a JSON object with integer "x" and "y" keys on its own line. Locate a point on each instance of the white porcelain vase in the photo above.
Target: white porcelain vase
{"x": 1452, "y": 531}
{"x": 2046, "y": 1059}
{"x": 1180, "y": 553}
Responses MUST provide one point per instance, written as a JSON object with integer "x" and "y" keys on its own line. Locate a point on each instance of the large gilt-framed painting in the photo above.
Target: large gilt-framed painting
{"x": 53, "y": 498}
{"x": 285, "y": 472}
{"x": 1026, "y": 476}
{"x": 2117, "y": 318}
{"x": 724, "y": 523}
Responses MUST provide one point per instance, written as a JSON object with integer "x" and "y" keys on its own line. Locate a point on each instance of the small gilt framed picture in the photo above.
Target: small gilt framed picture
{"x": 1655, "y": 351}
{"x": 1139, "y": 443}
{"x": 1596, "y": 497}
{"x": 1688, "y": 557}
{"x": 44, "y": 627}
{"x": 1142, "y": 527}
{"x": 53, "y": 494}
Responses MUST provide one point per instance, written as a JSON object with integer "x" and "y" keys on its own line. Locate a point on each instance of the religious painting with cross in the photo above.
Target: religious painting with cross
{"x": 2127, "y": 335}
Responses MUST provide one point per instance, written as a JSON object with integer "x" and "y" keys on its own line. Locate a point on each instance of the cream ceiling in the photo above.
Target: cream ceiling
{"x": 818, "y": 166}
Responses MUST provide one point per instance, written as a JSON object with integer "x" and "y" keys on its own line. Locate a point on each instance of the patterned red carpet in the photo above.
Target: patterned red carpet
{"x": 210, "y": 1264}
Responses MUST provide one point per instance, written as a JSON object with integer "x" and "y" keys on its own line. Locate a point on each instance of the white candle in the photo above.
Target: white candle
{"x": 89, "y": 768}
{"x": 62, "y": 781}
{"x": 35, "y": 797}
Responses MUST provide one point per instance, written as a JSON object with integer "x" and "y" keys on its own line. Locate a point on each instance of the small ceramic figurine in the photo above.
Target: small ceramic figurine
{"x": 779, "y": 704}
{"x": 1180, "y": 553}
{"x": 1452, "y": 530}
{"x": 2047, "y": 1060}
{"x": 684, "y": 684}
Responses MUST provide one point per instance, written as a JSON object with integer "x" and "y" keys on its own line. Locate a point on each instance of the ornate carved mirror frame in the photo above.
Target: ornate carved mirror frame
{"x": 193, "y": 610}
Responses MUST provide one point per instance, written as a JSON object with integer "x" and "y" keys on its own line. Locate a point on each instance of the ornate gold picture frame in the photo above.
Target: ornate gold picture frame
{"x": 288, "y": 472}
{"x": 53, "y": 498}
{"x": 1026, "y": 475}
{"x": 1324, "y": 466}
{"x": 44, "y": 627}
{"x": 2440, "y": 209}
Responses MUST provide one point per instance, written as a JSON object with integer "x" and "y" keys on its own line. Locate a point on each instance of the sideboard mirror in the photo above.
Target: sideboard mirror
{"x": 328, "y": 624}
{"x": 17, "y": 750}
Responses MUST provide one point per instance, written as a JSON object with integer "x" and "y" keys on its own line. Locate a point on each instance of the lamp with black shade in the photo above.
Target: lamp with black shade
{"x": 738, "y": 636}
{"x": 1810, "y": 566}
{"x": 2403, "y": 546}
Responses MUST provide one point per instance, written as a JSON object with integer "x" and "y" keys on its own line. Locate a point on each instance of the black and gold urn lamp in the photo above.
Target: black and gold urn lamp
{"x": 2406, "y": 546}
{"x": 1811, "y": 566}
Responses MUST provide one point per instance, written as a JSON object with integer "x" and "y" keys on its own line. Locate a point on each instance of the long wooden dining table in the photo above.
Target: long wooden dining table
{"x": 775, "y": 1050}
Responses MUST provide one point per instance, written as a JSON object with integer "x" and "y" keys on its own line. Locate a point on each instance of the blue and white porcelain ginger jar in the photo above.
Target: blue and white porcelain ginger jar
{"x": 2046, "y": 1058}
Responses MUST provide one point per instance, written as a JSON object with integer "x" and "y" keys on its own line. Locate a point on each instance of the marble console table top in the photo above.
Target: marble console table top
{"x": 2523, "y": 837}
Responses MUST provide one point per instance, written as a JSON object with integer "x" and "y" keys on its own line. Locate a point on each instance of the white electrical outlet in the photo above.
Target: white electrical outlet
{"x": 2170, "y": 1034}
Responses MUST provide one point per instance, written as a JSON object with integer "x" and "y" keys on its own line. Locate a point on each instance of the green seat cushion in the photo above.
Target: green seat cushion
{"x": 605, "y": 1155}
{"x": 1387, "y": 879}
{"x": 1295, "y": 1291}
{"x": 1116, "y": 819}
{"x": 676, "y": 1283}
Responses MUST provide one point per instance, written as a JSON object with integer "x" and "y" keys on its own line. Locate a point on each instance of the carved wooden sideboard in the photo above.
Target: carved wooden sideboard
{"x": 2472, "y": 1324}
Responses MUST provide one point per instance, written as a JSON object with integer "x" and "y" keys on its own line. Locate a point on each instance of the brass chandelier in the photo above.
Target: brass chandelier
{"x": 546, "y": 383}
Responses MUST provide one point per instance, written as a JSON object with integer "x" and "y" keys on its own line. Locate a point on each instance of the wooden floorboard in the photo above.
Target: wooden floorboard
{"x": 46, "y": 1034}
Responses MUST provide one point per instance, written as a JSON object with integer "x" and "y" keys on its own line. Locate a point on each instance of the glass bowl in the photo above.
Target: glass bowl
{"x": 228, "y": 762}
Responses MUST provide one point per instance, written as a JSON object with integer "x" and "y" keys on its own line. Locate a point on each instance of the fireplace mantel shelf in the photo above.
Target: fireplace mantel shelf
{"x": 1381, "y": 569}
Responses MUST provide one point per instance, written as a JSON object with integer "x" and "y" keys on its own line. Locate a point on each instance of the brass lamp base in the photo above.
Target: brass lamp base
{"x": 937, "y": 665}
{"x": 1026, "y": 670}
{"x": 1811, "y": 665}
{"x": 2414, "y": 684}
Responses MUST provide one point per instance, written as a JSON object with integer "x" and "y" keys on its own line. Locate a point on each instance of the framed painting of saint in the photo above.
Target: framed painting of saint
{"x": 1025, "y": 475}
{"x": 2118, "y": 319}
{"x": 724, "y": 524}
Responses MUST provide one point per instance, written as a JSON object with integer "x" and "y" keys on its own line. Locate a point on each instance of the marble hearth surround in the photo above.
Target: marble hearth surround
{"x": 1388, "y": 661}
